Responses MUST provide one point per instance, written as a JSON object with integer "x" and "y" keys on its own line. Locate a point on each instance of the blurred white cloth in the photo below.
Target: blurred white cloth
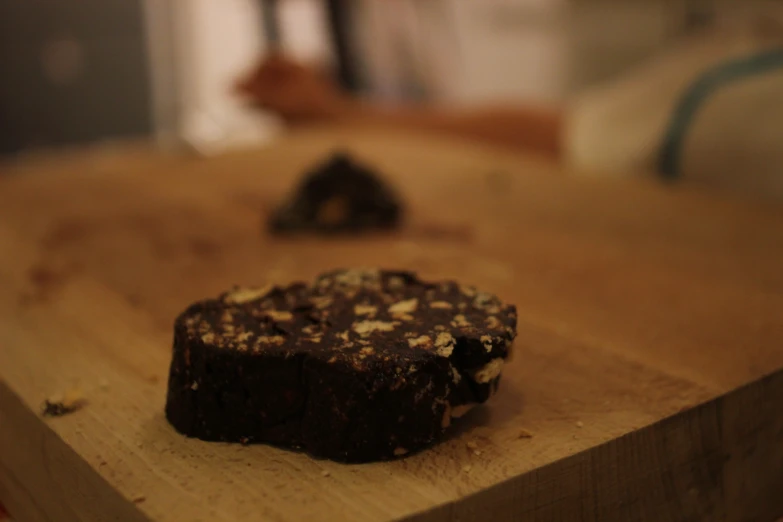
{"x": 735, "y": 139}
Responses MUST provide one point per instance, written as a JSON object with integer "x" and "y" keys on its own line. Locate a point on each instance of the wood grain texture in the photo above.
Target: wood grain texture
{"x": 648, "y": 368}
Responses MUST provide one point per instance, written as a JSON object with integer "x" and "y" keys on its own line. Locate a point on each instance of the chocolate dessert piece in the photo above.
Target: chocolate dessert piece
{"x": 339, "y": 196}
{"x": 361, "y": 365}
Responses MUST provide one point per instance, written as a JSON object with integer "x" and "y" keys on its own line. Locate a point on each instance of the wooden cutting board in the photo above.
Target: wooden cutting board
{"x": 647, "y": 382}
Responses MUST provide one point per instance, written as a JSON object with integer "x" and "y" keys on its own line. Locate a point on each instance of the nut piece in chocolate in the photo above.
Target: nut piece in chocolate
{"x": 339, "y": 196}
{"x": 360, "y": 365}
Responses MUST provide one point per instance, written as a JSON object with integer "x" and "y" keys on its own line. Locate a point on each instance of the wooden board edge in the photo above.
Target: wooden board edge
{"x": 42, "y": 479}
{"x": 726, "y": 455}
{"x": 722, "y": 460}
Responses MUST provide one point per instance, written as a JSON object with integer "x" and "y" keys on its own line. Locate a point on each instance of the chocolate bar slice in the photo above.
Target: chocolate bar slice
{"x": 360, "y": 365}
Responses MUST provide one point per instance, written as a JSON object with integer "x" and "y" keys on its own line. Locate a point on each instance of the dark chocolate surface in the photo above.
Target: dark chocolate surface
{"x": 361, "y": 365}
{"x": 336, "y": 197}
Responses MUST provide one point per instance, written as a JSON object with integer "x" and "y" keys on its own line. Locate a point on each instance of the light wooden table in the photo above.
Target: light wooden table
{"x": 648, "y": 368}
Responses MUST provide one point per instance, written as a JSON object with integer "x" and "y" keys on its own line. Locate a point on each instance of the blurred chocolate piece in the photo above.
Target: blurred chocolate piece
{"x": 339, "y": 196}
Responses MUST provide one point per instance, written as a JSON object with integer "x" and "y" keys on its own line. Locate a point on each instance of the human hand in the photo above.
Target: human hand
{"x": 297, "y": 93}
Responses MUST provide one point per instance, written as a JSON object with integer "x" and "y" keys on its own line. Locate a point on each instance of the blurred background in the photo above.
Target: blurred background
{"x": 76, "y": 73}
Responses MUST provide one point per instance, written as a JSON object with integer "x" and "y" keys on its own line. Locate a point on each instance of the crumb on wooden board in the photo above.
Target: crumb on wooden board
{"x": 60, "y": 404}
